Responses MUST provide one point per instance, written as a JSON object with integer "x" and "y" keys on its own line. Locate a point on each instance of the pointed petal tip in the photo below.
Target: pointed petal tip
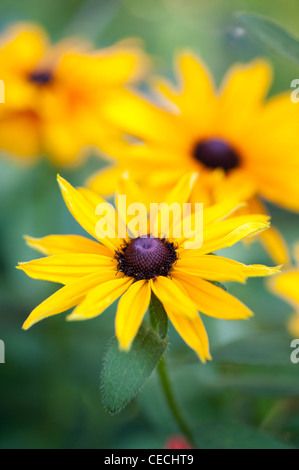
{"x": 61, "y": 182}
{"x": 26, "y": 325}
{"x": 260, "y": 226}
{"x": 124, "y": 347}
{"x": 274, "y": 270}
{"x": 30, "y": 241}
{"x": 204, "y": 359}
{"x": 78, "y": 316}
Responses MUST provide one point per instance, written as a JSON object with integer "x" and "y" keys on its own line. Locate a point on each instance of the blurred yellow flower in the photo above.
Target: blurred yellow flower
{"x": 286, "y": 286}
{"x": 54, "y": 94}
{"x": 242, "y": 145}
{"x": 96, "y": 273}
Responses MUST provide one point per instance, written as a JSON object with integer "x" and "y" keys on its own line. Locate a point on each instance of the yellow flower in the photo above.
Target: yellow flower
{"x": 285, "y": 285}
{"x": 54, "y": 94}
{"x": 97, "y": 272}
{"x": 242, "y": 145}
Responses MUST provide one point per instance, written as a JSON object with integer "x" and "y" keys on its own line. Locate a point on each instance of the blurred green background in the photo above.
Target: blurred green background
{"x": 49, "y": 387}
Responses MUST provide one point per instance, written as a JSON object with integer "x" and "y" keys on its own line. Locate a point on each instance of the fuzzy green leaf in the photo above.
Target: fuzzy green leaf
{"x": 124, "y": 373}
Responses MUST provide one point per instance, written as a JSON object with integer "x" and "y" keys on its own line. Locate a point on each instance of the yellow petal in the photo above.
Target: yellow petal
{"x": 109, "y": 67}
{"x": 66, "y": 297}
{"x": 195, "y": 91}
{"x": 255, "y": 78}
{"x": 228, "y": 232}
{"x": 273, "y": 138}
{"x": 100, "y": 298}
{"x": 286, "y": 286}
{"x": 64, "y": 269}
{"x": 27, "y": 146}
{"x": 173, "y": 295}
{"x": 164, "y": 221}
{"x": 22, "y": 46}
{"x": 216, "y": 268}
{"x": 275, "y": 245}
{"x": 105, "y": 181}
{"x": 238, "y": 183}
{"x": 128, "y": 198}
{"x": 212, "y": 300}
{"x": 293, "y": 325}
{"x": 64, "y": 244}
{"x": 94, "y": 198}
{"x": 271, "y": 238}
{"x": 128, "y": 187}
{"x": 221, "y": 210}
{"x": 141, "y": 118}
{"x": 130, "y": 312}
{"x": 193, "y": 332}
{"x": 84, "y": 212}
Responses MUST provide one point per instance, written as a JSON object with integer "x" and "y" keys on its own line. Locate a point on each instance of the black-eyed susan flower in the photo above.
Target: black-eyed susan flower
{"x": 54, "y": 93}
{"x": 285, "y": 285}
{"x": 242, "y": 144}
{"x": 97, "y": 272}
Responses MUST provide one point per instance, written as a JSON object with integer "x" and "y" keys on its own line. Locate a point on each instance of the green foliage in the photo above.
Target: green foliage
{"x": 271, "y": 34}
{"x": 124, "y": 373}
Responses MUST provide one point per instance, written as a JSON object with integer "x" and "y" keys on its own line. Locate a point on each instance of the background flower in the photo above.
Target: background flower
{"x": 54, "y": 94}
{"x": 232, "y": 136}
{"x": 285, "y": 285}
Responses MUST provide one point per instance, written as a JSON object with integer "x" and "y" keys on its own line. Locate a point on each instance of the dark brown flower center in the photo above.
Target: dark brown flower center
{"x": 216, "y": 153}
{"x": 41, "y": 77}
{"x": 146, "y": 258}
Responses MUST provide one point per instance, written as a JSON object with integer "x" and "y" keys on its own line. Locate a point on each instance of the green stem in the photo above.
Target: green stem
{"x": 167, "y": 389}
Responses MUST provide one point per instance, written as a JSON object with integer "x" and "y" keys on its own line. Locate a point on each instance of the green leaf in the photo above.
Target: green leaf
{"x": 158, "y": 316}
{"x": 271, "y": 35}
{"x": 124, "y": 373}
{"x": 270, "y": 349}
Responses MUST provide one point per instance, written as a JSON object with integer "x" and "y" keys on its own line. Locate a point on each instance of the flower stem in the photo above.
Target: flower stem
{"x": 167, "y": 389}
